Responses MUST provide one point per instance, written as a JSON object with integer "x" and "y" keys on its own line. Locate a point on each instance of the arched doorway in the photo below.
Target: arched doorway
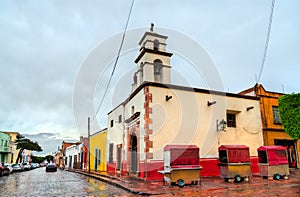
{"x": 133, "y": 153}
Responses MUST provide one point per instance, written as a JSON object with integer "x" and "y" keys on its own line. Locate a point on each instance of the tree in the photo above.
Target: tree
{"x": 37, "y": 159}
{"x": 25, "y": 143}
{"x": 49, "y": 158}
{"x": 289, "y": 111}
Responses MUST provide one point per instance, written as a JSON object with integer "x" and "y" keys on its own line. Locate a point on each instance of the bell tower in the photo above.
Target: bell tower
{"x": 153, "y": 61}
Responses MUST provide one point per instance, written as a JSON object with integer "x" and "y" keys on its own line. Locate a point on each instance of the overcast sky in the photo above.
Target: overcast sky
{"x": 43, "y": 45}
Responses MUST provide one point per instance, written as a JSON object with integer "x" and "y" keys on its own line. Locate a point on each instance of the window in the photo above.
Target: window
{"x": 155, "y": 45}
{"x": 231, "y": 120}
{"x": 157, "y": 70}
{"x": 157, "y": 66}
{"x": 281, "y": 153}
{"x": 262, "y": 157}
{"x": 120, "y": 118}
{"x": 223, "y": 156}
{"x": 276, "y": 116}
{"x": 111, "y": 123}
{"x": 111, "y": 148}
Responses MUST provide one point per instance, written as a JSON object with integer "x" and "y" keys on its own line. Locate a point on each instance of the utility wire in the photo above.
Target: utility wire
{"x": 267, "y": 42}
{"x": 116, "y": 62}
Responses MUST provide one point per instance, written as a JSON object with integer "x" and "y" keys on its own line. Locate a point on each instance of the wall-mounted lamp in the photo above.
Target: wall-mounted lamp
{"x": 248, "y": 108}
{"x": 168, "y": 97}
{"x": 221, "y": 125}
{"x": 211, "y": 103}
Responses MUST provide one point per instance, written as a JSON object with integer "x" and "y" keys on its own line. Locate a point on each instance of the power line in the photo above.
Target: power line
{"x": 267, "y": 43}
{"x": 116, "y": 62}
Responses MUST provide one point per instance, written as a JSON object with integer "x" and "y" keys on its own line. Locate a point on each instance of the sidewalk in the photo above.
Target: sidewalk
{"x": 210, "y": 186}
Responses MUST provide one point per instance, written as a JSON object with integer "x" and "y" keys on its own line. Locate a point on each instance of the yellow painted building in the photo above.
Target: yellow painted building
{"x": 273, "y": 132}
{"x": 98, "y": 151}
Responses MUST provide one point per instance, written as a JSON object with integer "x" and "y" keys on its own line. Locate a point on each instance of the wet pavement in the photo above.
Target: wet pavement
{"x": 210, "y": 186}
{"x": 61, "y": 183}
{"x": 64, "y": 183}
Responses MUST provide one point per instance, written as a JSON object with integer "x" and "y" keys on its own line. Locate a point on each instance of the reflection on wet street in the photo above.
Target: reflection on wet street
{"x": 61, "y": 183}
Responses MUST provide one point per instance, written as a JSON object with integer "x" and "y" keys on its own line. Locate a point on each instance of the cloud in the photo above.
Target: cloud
{"x": 44, "y": 43}
{"x": 50, "y": 142}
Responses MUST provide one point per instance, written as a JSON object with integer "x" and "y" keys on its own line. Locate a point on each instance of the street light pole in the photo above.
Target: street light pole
{"x": 89, "y": 155}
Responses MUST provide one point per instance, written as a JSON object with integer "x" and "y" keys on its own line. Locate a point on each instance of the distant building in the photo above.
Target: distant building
{"x": 5, "y": 149}
{"x": 72, "y": 155}
{"x": 157, "y": 114}
{"x": 59, "y": 159}
{"x": 83, "y": 147}
{"x": 12, "y": 157}
{"x": 273, "y": 132}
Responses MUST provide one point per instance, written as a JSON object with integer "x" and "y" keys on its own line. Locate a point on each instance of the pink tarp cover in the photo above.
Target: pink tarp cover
{"x": 276, "y": 154}
{"x": 183, "y": 154}
{"x": 236, "y": 153}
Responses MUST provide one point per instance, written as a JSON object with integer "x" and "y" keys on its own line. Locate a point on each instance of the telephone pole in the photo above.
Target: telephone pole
{"x": 89, "y": 155}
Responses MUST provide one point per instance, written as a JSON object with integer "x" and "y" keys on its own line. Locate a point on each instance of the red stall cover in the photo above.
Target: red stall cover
{"x": 236, "y": 153}
{"x": 183, "y": 154}
{"x": 277, "y": 155}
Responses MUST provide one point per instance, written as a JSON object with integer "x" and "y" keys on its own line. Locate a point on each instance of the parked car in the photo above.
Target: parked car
{"x": 43, "y": 164}
{"x": 3, "y": 170}
{"x": 33, "y": 165}
{"x": 27, "y": 166}
{"x": 18, "y": 167}
{"x": 9, "y": 166}
{"x": 51, "y": 167}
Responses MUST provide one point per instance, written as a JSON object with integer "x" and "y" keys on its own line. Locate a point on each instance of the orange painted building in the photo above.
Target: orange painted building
{"x": 273, "y": 132}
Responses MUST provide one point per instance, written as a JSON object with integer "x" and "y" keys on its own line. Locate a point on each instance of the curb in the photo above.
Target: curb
{"x": 115, "y": 182}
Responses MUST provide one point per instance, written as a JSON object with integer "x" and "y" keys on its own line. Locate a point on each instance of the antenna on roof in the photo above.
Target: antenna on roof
{"x": 282, "y": 88}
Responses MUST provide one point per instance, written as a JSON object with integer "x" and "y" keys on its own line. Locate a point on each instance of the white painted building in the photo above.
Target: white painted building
{"x": 157, "y": 114}
{"x": 72, "y": 156}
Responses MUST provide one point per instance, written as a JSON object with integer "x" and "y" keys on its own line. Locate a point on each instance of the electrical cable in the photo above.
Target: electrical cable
{"x": 267, "y": 42}
{"x": 116, "y": 62}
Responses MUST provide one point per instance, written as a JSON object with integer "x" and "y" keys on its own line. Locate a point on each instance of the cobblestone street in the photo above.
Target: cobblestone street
{"x": 64, "y": 183}
{"x": 61, "y": 183}
{"x": 212, "y": 186}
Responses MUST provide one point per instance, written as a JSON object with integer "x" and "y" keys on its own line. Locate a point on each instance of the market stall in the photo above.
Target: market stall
{"x": 181, "y": 165}
{"x": 234, "y": 163}
{"x": 273, "y": 162}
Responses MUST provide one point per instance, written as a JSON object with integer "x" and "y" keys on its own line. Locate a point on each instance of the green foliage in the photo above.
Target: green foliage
{"x": 289, "y": 111}
{"x": 25, "y": 144}
{"x": 37, "y": 159}
{"x": 49, "y": 158}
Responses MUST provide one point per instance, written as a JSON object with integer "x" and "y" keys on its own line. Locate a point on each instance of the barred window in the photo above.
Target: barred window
{"x": 276, "y": 116}
{"x": 231, "y": 120}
